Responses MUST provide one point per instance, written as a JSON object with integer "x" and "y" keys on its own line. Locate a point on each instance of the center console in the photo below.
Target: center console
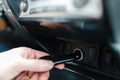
{"x": 63, "y": 26}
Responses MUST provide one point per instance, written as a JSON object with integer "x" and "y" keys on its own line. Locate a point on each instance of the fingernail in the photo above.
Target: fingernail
{"x": 36, "y": 75}
{"x": 30, "y": 74}
{"x": 49, "y": 64}
{"x": 25, "y": 78}
{"x": 45, "y": 78}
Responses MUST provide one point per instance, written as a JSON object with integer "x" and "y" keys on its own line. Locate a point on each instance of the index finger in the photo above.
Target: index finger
{"x": 30, "y": 53}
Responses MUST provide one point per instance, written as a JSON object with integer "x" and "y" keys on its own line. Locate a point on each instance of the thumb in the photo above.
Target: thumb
{"x": 35, "y": 65}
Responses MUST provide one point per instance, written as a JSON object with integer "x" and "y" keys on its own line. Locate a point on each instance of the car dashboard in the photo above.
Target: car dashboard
{"x": 63, "y": 26}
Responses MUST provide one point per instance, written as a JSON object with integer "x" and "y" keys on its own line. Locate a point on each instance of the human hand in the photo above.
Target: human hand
{"x": 25, "y": 61}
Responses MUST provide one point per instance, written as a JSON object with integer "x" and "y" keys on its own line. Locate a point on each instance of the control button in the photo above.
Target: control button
{"x": 107, "y": 60}
{"x": 24, "y": 5}
{"x": 67, "y": 48}
{"x": 92, "y": 57}
{"x": 61, "y": 48}
{"x": 79, "y": 3}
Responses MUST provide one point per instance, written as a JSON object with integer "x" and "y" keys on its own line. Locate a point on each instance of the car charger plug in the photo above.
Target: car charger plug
{"x": 76, "y": 55}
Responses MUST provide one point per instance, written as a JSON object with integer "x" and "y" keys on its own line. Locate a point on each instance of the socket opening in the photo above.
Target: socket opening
{"x": 79, "y": 52}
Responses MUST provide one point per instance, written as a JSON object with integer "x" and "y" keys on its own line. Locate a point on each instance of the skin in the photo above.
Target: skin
{"x": 22, "y": 64}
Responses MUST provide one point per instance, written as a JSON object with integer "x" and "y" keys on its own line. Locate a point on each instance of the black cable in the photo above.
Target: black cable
{"x": 13, "y": 19}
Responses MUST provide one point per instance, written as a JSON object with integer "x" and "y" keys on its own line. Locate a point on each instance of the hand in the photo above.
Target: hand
{"x": 25, "y": 61}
